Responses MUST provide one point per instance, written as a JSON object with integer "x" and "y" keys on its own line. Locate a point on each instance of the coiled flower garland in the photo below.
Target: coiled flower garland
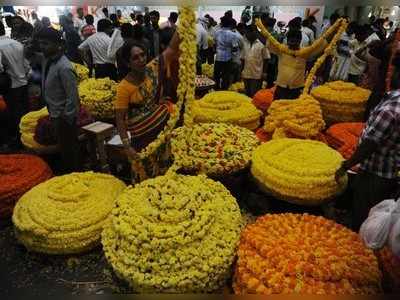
{"x": 174, "y": 234}
{"x": 304, "y": 254}
{"x": 66, "y": 214}
{"x": 212, "y": 149}
{"x": 298, "y": 171}
{"x": 18, "y": 174}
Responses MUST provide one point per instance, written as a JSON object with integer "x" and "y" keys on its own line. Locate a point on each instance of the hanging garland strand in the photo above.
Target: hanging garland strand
{"x": 187, "y": 76}
{"x": 328, "y": 51}
{"x": 395, "y": 48}
{"x": 303, "y": 51}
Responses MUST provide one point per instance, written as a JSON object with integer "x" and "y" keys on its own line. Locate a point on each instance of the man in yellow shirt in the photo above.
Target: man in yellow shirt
{"x": 292, "y": 69}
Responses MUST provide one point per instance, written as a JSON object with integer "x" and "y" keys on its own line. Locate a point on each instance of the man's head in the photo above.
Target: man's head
{"x": 362, "y": 32}
{"x": 89, "y": 19}
{"x": 146, "y": 19}
{"x": 333, "y": 18}
{"x": 46, "y": 22}
{"x": 312, "y": 20}
{"x": 140, "y": 19}
{"x": 34, "y": 15}
{"x": 351, "y": 28}
{"x": 80, "y": 13}
{"x": 251, "y": 33}
{"x": 173, "y": 17}
{"x": 225, "y": 22}
{"x": 137, "y": 32}
{"x": 126, "y": 31}
{"x": 119, "y": 13}
{"x": 105, "y": 25}
{"x": 233, "y": 24}
{"x": 2, "y": 29}
{"x": 294, "y": 39}
{"x": 270, "y": 23}
{"x": 372, "y": 19}
{"x": 105, "y": 11}
{"x": 17, "y": 22}
{"x": 229, "y": 14}
{"x": 133, "y": 17}
{"x": 9, "y": 21}
{"x": 241, "y": 28}
{"x": 114, "y": 19}
{"x": 295, "y": 24}
{"x": 154, "y": 18}
{"x": 50, "y": 42}
{"x": 306, "y": 23}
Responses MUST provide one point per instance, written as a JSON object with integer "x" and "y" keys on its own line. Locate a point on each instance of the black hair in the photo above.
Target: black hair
{"x": 265, "y": 17}
{"x": 225, "y": 22}
{"x": 233, "y": 23}
{"x": 103, "y": 25}
{"x": 334, "y": 17}
{"x": 89, "y": 19}
{"x": 173, "y": 16}
{"x": 139, "y": 17}
{"x": 127, "y": 48}
{"x": 138, "y": 33}
{"x": 26, "y": 29}
{"x": 50, "y": 34}
{"x": 2, "y": 29}
{"x": 229, "y": 14}
{"x": 133, "y": 17}
{"x": 241, "y": 26}
{"x": 294, "y": 34}
{"x": 115, "y": 21}
{"x": 9, "y": 20}
{"x": 295, "y": 23}
{"x": 306, "y": 23}
{"x": 270, "y": 22}
{"x": 251, "y": 28}
{"x": 105, "y": 11}
{"x": 146, "y": 19}
{"x": 312, "y": 19}
{"x": 154, "y": 13}
{"x": 126, "y": 30}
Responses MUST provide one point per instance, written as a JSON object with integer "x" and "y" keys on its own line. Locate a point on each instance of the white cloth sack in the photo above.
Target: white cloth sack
{"x": 394, "y": 235}
{"x": 375, "y": 230}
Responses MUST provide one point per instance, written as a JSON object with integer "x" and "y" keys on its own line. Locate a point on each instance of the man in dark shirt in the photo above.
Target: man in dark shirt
{"x": 60, "y": 91}
{"x": 153, "y": 34}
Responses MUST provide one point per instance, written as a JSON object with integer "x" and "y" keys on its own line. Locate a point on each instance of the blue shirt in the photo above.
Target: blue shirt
{"x": 227, "y": 43}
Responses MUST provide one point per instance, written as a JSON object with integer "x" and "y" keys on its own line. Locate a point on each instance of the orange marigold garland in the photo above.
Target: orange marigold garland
{"x": 18, "y": 174}
{"x": 263, "y": 99}
{"x": 293, "y": 253}
{"x": 344, "y": 137}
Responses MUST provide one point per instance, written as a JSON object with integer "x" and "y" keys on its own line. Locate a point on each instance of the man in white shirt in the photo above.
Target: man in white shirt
{"x": 98, "y": 44}
{"x": 14, "y": 66}
{"x": 171, "y": 23}
{"x": 254, "y": 55}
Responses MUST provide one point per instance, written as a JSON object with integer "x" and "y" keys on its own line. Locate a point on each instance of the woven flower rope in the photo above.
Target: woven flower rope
{"x": 66, "y": 214}
{"x": 174, "y": 234}
{"x": 18, "y": 174}
{"x": 304, "y": 254}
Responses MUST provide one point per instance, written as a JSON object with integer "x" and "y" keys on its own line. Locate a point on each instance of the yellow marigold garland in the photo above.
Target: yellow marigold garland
{"x": 303, "y": 51}
{"x": 224, "y": 107}
{"x": 81, "y": 71}
{"x": 213, "y": 149}
{"x": 66, "y": 214}
{"x": 174, "y": 234}
{"x": 237, "y": 87}
{"x": 301, "y": 118}
{"x": 98, "y": 95}
{"x": 341, "y": 101}
{"x": 328, "y": 51}
{"x": 207, "y": 70}
{"x": 304, "y": 254}
{"x": 298, "y": 171}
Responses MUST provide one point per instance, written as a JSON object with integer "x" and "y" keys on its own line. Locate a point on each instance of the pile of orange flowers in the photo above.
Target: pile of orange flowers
{"x": 18, "y": 174}
{"x": 263, "y": 99}
{"x": 344, "y": 137}
{"x": 390, "y": 266}
{"x": 293, "y": 253}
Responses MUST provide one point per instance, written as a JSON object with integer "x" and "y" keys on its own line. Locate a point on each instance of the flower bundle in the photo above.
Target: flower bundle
{"x": 341, "y": 101}
{"x": 66, "y": 214}
{"x": 263, "y": 99}
{"x": 27, "y": 127}
{"x": 224, "y": 107}
{"x": 300, "y": 118}
{"x": 207, "y": 70}
{"x": 298, "y": 171}
{"x": 304, "y": 254}
{"x": 213, "y": 149}
{"x": 44, "y": 133}
{"x": 81, "y": 71}
{"x": 344, "y": 137}
{"x": 18, "y": 174}
{"x": 98, "y": 95}
{"x": 237, "y": 87}
{"x": 173, "y": 234}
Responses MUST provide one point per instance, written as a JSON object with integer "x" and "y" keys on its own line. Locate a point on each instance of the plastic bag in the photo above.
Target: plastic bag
{"x": 375, "y": 230}
{"x": 394, "y": 235}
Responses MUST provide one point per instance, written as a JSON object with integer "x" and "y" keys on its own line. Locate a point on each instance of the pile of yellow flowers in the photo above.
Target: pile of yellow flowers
{"x": 66, "y": 214}
{"x": 207, "y": 70}
{"x": 224, "y": 107}
{"x": 299, "y": 171}
{"x": 213, "y": 149}
{"x": 237, "y": 87}
{"x": 304, "y": 254}
{"x": 98, "y": 95}
{"x": 300, "y": 118}
{"x": 174, "y": 234}
{"x": 27, "y": 128}
{"x": 341, "y": 101}
{"x": 81, "y": 71}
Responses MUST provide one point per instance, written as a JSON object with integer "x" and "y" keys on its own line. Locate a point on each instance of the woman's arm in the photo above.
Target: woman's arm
{"x": 121, "y": 119}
